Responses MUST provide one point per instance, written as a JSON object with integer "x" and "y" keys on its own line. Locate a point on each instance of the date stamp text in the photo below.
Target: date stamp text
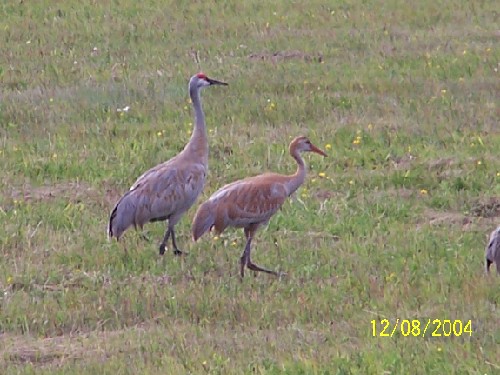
{"x": 421, "y": 327}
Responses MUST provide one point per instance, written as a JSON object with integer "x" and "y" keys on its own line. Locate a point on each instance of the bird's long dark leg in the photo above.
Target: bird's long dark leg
{"x": 164, "y": 242}
{"x": 174, "y": 244}
{"x": 246, "y": 255}
{"x": 245, "y": 259}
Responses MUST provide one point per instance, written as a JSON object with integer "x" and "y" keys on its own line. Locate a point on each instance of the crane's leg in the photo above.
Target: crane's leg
{"x": 174, "y": 244}
{"x": 245, "y": 258}
{"x": 164, "y": 242}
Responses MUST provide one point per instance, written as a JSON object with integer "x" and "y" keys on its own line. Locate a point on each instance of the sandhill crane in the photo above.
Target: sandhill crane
{"x": 167, "y": 191}
{"x": 493, "y": 250}
{"x": 251, "y": 202}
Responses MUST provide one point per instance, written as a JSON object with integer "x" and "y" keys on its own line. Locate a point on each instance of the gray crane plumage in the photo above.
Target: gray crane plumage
{"x": 168, "y": 190}
{"x": 493, "y": 250}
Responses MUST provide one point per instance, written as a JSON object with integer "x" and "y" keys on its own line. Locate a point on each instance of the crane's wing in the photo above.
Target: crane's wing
{"x": 167, "y": 190}
{"x": 154, "y": 171}
{"x": 247, "y": 202}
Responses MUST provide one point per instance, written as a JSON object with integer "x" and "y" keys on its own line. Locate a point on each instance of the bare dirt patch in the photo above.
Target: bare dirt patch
{"x": 280, "y": 56}
{"x": 73, "y": 191}
{"x": 441, "y": 163}
{"x": 451, "y": 218}
{"x": 43, "y": 352}
{"x": 446, "y": 218}
{"x": 486, "y": 207}
{"x": 402, "y": 162}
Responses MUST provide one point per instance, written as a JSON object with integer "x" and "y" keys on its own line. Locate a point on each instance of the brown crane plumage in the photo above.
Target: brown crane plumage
{"x": 168, "y": 190}
{"x": 251, "y": 202}
{"x": 493, "y": 251}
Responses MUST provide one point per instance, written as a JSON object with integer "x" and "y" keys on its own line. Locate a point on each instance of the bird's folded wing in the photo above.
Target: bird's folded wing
{"x": 251, "y": 201}
{"x": 165, "y": 190}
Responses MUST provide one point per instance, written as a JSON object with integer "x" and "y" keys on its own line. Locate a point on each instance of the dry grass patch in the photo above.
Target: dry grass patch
{"x": 281, "y": 56}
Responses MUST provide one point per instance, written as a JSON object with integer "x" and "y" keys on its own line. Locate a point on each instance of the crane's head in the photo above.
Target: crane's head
{"x": 200, "y": 80}
{"x": 301, "y": 144}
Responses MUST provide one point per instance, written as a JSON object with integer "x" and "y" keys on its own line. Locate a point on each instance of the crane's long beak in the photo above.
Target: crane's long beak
{"x": 317, "y": 150}
{"x": 215, "y": 82}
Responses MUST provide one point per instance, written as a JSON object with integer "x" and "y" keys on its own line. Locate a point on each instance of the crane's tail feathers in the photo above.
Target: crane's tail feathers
{"x": 110, "y": 224}
{"x": 488, "y": 265}
{"x": 203, "y": 221}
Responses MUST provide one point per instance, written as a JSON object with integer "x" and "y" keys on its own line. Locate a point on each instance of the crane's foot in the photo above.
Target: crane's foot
{"x": 179, "y": 252}
{"x": 162, "y": 249}
{"x": 281, "y": 274}
{"x": 254, "y": 267}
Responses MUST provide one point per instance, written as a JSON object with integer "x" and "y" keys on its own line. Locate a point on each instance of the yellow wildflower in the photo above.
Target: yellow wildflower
{"x": 479, "y": 162}
{"x": 159, "y": 134}
{"x": 216, "y": 238}
{"x": 390, "y": 277}
{"x": 322, "y": 174}
{"x": 423, "y": 191}
{"x": 9, "y": 280}
{"x": 351, "y": 182}
{"x": 328, "y": 146}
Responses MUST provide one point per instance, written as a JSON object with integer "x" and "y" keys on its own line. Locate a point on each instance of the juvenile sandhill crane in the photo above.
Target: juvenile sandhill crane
{"x": 493, "y": 251}
{"x": 167, "y": 191}
{"x": 251, "y": 202}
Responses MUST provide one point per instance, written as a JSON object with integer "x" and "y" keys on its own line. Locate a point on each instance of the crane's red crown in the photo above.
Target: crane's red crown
{"x": 201, "y": 75}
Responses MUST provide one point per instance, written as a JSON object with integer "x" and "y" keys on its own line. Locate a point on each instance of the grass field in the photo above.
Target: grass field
{"x": 392, "y": 225}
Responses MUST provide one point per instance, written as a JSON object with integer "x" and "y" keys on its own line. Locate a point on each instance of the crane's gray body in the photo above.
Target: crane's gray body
{"x": 168, "y": 190}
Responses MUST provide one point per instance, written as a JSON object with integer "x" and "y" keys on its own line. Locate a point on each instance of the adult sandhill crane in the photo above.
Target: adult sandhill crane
{"x": 250, "y": 203}
{"x": 167, "y": 191}
{"x": 493, "y": 250}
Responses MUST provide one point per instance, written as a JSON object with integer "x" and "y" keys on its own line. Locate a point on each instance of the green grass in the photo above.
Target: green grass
{"x": 391, "y": 225}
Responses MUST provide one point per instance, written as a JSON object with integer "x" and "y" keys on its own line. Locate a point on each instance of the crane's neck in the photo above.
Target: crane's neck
{"x": 198, "y": 144}
{"x": 299, "y": 176}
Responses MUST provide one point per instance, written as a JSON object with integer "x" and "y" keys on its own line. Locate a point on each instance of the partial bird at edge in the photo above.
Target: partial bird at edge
{"x": 492, "y": 252}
